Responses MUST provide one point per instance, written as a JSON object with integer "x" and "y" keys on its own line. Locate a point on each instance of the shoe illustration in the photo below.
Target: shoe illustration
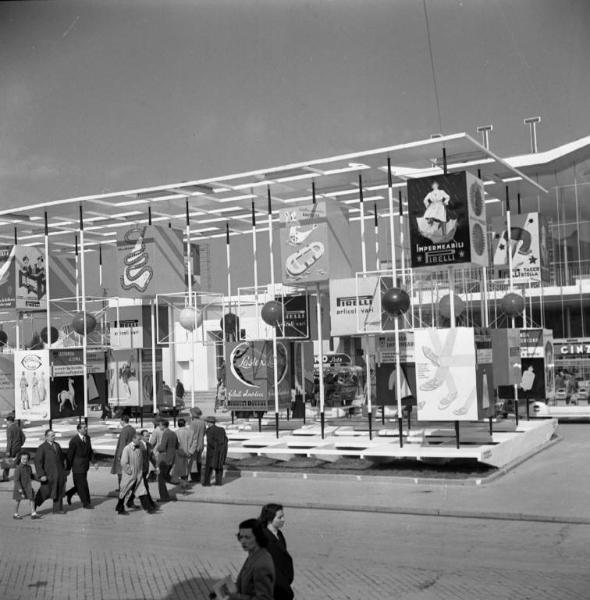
{"x": 462, "y": 410}
{"x": 448, "y": 399}
{"x": 430, "y": 355}
{"x": 302, "y": 260}
{"x": 432, "y": 384}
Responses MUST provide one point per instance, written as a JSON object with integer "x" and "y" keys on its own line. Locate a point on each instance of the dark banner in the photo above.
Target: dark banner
{"x": 296, "y": 315}
{"x": 439, "y": 220}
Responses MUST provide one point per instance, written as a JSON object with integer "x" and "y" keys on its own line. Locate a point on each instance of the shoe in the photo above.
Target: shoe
{"x": 133, "y": 506}
{"x": 122, "y": 512}
{"x": 88, "y": 507}
{"x": 59, "y": 512}
{"x": 35, "y": 516}
{"x": 17, "y": 517}
{"x": 69, "y": 498}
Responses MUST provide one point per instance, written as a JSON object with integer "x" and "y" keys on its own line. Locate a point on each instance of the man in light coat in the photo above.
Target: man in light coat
{"x": 125, "y": 437}
{"x": 187, "y": 446}
{"x": 132, "y": 462}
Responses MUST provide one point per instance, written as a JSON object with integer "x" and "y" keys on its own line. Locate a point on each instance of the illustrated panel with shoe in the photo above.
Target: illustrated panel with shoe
{"x": 446, "y": 374}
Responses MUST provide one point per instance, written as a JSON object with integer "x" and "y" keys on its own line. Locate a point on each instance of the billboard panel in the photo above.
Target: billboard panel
{"x": 31, "y": 383}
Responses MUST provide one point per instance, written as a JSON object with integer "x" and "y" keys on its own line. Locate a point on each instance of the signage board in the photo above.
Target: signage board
{"x": 31, "y": 382}
{"x": 355, "y": 305}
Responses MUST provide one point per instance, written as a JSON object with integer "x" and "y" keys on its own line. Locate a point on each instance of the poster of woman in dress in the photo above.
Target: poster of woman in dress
{"x": 438, "y": 223}
{"x": 31, "y": 374}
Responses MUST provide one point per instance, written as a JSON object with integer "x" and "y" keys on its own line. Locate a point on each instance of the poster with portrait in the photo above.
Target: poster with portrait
{"x": 446, "y": 381}
{"x": 529, "y": 247}
{"x": 31, "y": 382}
{"x": 447, "y": 221}
{"x": 250, "y": 376}
{"x": 31, "y": 282}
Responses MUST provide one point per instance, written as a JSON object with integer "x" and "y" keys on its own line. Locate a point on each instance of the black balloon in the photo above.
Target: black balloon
{"x": 395, "y": 301}
{"x": 512, "y": 304}
{"x": 272, "y": 313}
{"x": 54, "y": 334}
{"x": 444, "y": 306}
{"x": 78, "y": 323}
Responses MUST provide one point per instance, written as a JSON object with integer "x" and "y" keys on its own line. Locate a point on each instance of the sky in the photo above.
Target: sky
{"x": 99, "y": 96}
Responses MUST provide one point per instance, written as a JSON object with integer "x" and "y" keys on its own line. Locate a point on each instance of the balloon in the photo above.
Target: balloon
{"x": 54, "y": 334}
{"x": 78, "y": 322}
{"x": 190, "y": 318}
{"x": 3, "y": 337}
{"x": 395, "y": 301}
{"x": 272, "y": 313}
{"x": 444, "y": 306}
{"x": 512, "y": 304}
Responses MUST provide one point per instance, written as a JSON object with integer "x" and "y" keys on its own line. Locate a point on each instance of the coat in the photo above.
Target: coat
{"x": 80, "y": 454}
{"x": 283, "y": 563}
{"x": 167, "y": 448}
{"x": 132, "y": 459}
{"x": 148, "y": 457}
{"x": 187, "y": 446}
{"x": 216, "y": 447}
{"x": 15, "y": 438}
{"x": 51, "y": 463}
{"x": 125, "y": 438}
{"x": 23, "y": 478}
{"x": 256, "y": 578}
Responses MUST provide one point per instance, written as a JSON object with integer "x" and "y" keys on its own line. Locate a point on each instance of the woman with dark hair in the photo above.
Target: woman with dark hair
{"x": 272, "y": 518}
{"x": 256, "y": 578}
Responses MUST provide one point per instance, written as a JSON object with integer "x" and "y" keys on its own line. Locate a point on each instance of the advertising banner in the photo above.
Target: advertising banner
{"x": 311, "y": 243}
{"x": 355, "y": 305}
{"x": 386, "y": 348}
{"x": 446, "y": 374}
{"x": 529, "y": 245}
{"x": 386, "y": 383}
{"x": 150, "y": 261}
{"x": 67, "y": 381}
{"x": 250, "y": 377}
{"x": 7, "y": 395}
{"x": 31, "y": 283}
{"x": 447, "y": 221}
{"x": 7, "y": 277}
{"x": 296, "y": 317}
{"x": 123, "y": 377}
{"x": 506, "y": 356}
{"x": 31, "y": 383}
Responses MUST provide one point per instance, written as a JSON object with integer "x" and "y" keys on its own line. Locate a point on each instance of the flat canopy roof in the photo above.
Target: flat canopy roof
{"x": 218, "y": 201}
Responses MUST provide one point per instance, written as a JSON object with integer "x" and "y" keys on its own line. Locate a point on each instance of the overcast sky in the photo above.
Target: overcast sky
{"x": 103, "y": 96}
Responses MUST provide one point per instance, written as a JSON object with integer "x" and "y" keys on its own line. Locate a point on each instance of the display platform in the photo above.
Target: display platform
{"x": 568, "y": 411}
{"x": 506, "y": 445}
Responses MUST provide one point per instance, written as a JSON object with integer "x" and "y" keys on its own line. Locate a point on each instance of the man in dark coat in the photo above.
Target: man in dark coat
{"x": 179, "y": 390}
{"x": 80, "y": 454}
{"x": 216, "y": 451}
{"x": 125, "y": 438}
{"x": 52, "y": 471}
{"x": 15, "y": 438}
{"x": 166, "y": 456}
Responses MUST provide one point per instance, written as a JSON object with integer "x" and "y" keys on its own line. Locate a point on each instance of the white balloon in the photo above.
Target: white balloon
{"x": 190, "y": 318}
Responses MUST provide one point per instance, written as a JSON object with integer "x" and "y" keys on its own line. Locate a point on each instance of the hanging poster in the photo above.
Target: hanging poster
{"x": 150, "y": 261}
{"x": 31, "y": 383}
{"x": 7, "y": 396}
{"x": 7, "y": 277}
{"x": 386, "y": 384}
{"x": 31, "y": 283}
{"x": 445, "y": 374}
{"x": 123, "y": 377}
{"x": 529, "y": 246}
{"x": 67, "y": 381}
{"x": 296, "y": 317}
{"x": 447, "y": 220}
{"x": 386, "y": 348}
{"x": 311, "y": 243}
{"x": 250, "y": 377}
{"x": 355, "y": 305}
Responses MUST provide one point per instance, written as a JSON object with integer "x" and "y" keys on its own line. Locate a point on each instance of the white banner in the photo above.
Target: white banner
{"x": 355, "y": 305}
{"x": 31, "y": 384}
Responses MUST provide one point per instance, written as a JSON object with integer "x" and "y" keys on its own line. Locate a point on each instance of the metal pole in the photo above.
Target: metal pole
{"x": 85, "y": 336}
{"x": 274, "y": 329}
{"x": 191, "y": 299}
{"x": 320, "y": 356}
{"x": 255, "y": 264}
{"x": 377, "y": 261}
{"x": 47, "y": 296}
{"x": 511, "y": 283}
{"x": 154, "y": 388}
{"x": 302, "y": 354}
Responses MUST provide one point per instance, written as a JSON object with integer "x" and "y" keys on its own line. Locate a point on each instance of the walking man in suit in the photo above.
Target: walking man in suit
{"x": 125, "y": 438}
{"x": 80, "y": 454}
{"x": 52, "y": 472}
{"x": 166, "y": 456}
{"x": 15, "y": 438}
{"x": 216, "y": 451}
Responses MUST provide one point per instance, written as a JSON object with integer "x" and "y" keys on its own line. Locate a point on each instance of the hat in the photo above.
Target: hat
{"x": 210, "y": 419}
{"x": 196, "y": 411}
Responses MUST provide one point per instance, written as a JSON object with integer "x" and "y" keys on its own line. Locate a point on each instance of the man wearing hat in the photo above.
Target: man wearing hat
{"x": 216, "y": 451}
{"x": 197, "y": 426}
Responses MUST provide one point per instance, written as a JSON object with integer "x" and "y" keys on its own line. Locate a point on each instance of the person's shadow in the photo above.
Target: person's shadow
{"x": 195, "y": 588}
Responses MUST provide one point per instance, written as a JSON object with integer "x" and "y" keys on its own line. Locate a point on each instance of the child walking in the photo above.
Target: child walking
{"x": 23, "y": 486}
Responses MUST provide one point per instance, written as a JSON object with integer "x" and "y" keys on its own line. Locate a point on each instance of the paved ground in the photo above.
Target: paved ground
{"x": 340, "y": 552}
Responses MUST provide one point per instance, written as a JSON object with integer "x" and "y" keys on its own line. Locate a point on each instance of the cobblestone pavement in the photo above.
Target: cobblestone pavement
{"x": 338, "y": 555}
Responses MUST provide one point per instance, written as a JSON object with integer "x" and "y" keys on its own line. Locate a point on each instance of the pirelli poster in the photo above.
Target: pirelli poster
{"x": 447, "y": 221}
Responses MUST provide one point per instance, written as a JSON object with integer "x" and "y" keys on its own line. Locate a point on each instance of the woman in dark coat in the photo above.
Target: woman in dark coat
{"x": 272, "y": 518}
{"x": 52, "y": 471}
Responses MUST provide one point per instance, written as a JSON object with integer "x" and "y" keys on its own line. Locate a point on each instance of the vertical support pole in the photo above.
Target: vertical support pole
{"x": 451, "y": 277}
{"x": 77, "y": 266}
{"x": 401, "y": 234}
{"x": 302, "y": 355}
{"x": 255, "y": 264}
{"x": 457, "y": 434}
{"x": 100, "y": 265}
{"x": 511, "y": 283}
{"x": 444, "y": 156}
{"x": 47, "y": 297}
{"x": 172, "y": 372}
{"x": 320, "y": 356}
{"x": 366, "y": 341}
{"x": 274, "y": 329}
{"x": 376, "y": 223}
{"x": 189, "y": 271}
{"x": 83, "y": 289}
{"x": 362, "y": 209}
{"x": 154, "y": 378}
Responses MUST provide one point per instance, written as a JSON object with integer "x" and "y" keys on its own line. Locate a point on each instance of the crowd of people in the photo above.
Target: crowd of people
{"x": 170, "y": 457}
